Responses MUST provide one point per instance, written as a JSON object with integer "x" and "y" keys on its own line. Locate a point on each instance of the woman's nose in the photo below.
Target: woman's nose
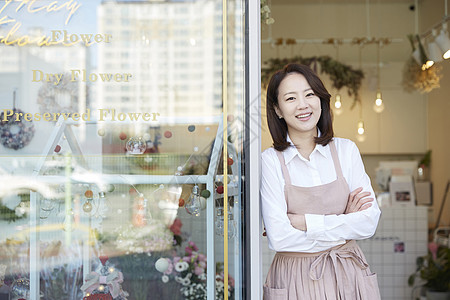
{"x": 301, "y": 103}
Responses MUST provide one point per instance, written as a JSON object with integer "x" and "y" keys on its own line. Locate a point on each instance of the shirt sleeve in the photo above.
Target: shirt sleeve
{"x": 282, "y": 236}
{"x": 358, "y": 225}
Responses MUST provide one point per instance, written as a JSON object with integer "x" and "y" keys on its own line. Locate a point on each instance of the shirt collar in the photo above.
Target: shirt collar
{"x": 291, "y": 151}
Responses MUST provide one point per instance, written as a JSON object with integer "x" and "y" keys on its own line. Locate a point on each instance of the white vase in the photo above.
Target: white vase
{"x": 438, "y": 295}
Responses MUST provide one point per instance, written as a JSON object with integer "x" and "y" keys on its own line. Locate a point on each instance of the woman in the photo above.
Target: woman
{"x": 310, "y": 215}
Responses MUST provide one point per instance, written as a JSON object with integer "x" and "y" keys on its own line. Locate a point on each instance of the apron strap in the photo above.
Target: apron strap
{"x": 284, "y": 169}
{"x": 337, "y": 164}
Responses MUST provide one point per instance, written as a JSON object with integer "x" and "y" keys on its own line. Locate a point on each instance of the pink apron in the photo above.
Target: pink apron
{"x": 341, "y": 272}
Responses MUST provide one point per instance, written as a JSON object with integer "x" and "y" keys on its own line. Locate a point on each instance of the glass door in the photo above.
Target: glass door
{"x": 123, "y": 131}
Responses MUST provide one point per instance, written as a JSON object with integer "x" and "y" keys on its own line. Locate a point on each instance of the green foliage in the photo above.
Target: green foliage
{"x": 10, "y": 215}
{"x": 435, "y": 271}
{"x": 426, "y": 160}
{"x": 340, "y": 74}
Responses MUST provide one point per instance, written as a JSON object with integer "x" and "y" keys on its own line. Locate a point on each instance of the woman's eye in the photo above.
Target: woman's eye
{"x": 310, "y": 95}
{"x": 290, "y": 99}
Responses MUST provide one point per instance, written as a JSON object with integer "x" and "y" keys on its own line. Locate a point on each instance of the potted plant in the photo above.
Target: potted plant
{"x": 434, "y": 270}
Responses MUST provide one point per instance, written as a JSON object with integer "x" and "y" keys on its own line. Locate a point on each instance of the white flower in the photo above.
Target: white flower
{"x": 178, "y": 279}
{"x": 186, "y": 282}
{"x": 219, "y": 284}
{"x": 202, "y": 276}
{"x": 165, "y": 278}
{"x": 181, "y": 266}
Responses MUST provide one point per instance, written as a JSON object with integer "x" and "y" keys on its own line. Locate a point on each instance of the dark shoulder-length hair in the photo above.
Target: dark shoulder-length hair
{"x": 278, "y": 127}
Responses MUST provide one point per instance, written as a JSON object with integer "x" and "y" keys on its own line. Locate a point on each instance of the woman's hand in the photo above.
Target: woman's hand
{"x": 358, "y": 201}
{"x": 297, "y": 221}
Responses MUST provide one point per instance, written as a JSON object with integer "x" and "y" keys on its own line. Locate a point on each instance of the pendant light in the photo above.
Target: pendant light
{"x": 379, "y": 105}
{"x": 361, "y": 137}
{"x": 338, "y": 110}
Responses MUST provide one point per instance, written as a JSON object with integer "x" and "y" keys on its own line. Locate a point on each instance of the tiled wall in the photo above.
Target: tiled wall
{"x": 407, "y": 225}
{"x": 401, "y": 237}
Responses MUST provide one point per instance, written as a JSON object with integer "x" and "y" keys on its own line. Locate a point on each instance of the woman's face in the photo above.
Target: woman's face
{"x": 298, "y": 104}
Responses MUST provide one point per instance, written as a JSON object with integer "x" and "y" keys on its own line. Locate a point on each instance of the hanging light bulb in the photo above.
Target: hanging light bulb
{"x": 361, "y": 137}
{"x": 193, "y": 204}
{"x": 338, "y": 105}
{"x": 361, "y": 129}
{"x": 87, "y": 206}
{"x": 379, "y": 105}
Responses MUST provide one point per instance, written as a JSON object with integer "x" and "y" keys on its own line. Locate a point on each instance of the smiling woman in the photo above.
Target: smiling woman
{"x": 310, "y": 215}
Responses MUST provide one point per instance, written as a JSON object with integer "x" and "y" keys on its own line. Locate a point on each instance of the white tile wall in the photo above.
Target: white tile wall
{"x": 408, "y": 225}
{"x": 397, "y": 224}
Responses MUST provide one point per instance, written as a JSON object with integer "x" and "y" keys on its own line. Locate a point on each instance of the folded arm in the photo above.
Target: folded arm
{"x": 280, "y": 232}
{"x": 359, "y": 224}
{"x": 360, "y": 218}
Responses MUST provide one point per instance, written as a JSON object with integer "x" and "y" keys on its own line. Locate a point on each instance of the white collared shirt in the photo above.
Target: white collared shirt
{"x": 323, "y": 231}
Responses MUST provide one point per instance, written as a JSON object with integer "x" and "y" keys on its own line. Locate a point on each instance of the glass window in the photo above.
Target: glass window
{"x": 112, "y": 166}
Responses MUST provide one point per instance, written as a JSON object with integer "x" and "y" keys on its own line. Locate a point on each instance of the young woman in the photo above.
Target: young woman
{"x": 311, "y": 218}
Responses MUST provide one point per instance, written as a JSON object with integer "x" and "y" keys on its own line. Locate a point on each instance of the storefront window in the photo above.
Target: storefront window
{"x": 112, "y": 158}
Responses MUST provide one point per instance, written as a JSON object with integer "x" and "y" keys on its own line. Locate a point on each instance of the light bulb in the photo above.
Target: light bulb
{"x": 338, "y": 105}
{"x": 87, "y": 206}
{"x": 361, "y": 137}
{"x": 361, "y": 127}
{"x": 446, "y": 55}
{"x": 378, "y": 106}
{"x": 429, "y": 64}
{"x": 193, "y": 204}
{"x": 361, "y": 130}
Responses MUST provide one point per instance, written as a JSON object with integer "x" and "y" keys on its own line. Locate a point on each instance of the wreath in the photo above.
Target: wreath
{"x": 15, "y": 134}
{"x": 340, "y": 74}
{"x": 50, "y": 96}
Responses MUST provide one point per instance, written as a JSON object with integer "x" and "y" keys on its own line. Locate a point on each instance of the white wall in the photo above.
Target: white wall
{"x": 402, "y": 127}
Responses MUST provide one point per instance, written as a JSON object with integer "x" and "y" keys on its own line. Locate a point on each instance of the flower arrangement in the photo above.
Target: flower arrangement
{"x": 19, "y": 138}
{"x": 189, "y": 271}
{"x": 434, "y": 269}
